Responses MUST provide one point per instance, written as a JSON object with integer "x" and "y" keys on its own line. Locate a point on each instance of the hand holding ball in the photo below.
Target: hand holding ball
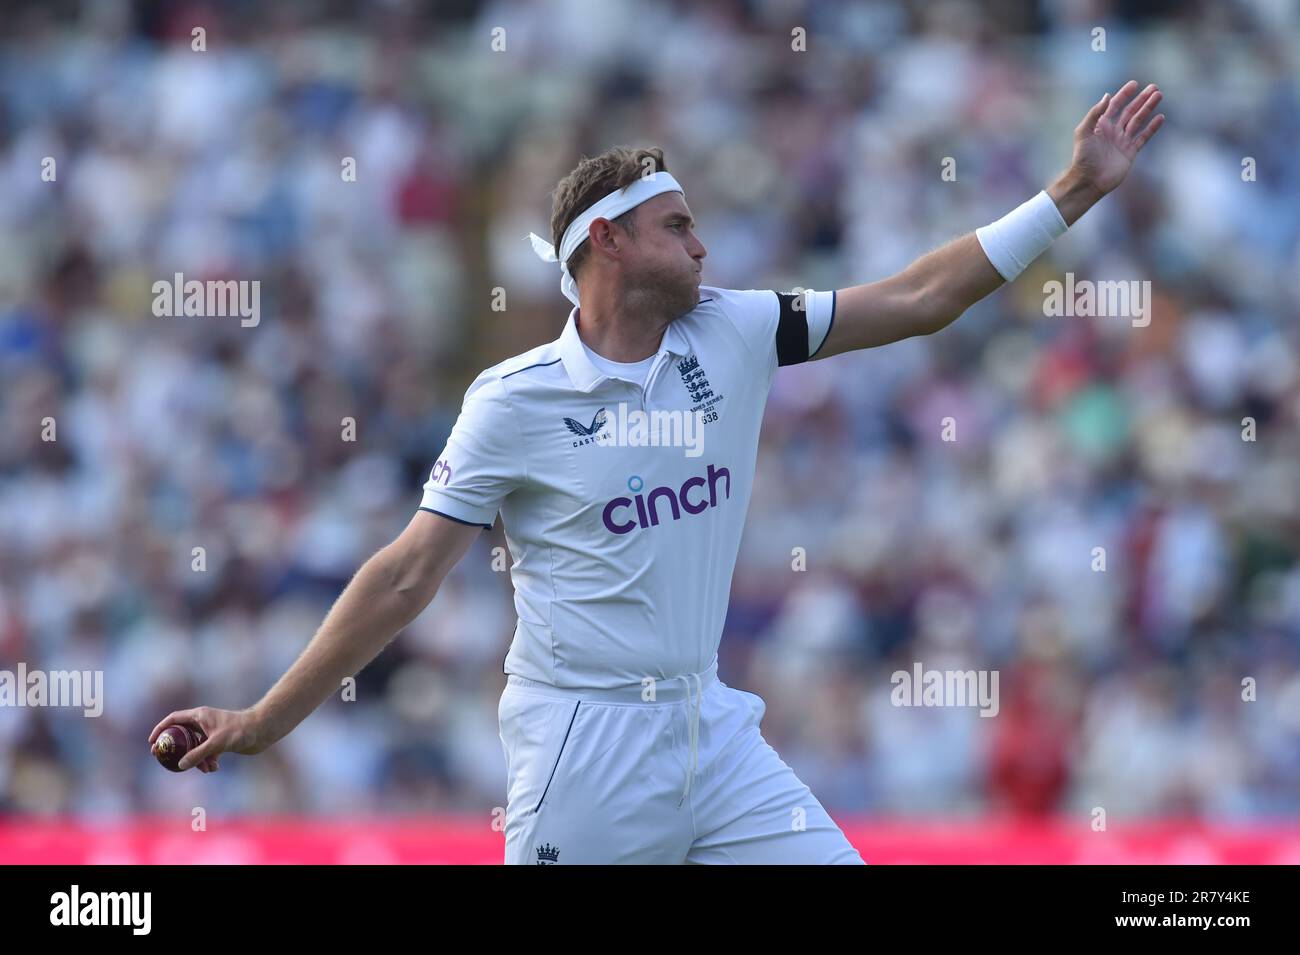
{"x": 174, "y": 742}
{"x": 200, "y": 735}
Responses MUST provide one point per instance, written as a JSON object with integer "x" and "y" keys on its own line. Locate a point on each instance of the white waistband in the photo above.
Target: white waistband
{"x": 666, "y": 689}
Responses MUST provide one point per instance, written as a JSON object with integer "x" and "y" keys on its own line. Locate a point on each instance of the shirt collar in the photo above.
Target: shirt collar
{"x": 583, "y": 373}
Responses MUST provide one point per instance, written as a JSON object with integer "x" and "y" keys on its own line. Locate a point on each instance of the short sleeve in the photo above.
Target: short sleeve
{"x": 481, "y": 463}
{"x": 780, "y": 328}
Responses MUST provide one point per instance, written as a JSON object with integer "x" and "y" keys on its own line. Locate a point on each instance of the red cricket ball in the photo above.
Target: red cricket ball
{"x": 174, "y": 742}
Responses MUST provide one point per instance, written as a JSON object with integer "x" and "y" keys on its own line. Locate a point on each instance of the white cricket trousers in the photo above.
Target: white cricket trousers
{"x": 606, "y": 776}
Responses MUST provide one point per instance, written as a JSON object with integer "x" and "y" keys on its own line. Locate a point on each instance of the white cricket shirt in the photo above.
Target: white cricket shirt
{"x": 624, "y": 552}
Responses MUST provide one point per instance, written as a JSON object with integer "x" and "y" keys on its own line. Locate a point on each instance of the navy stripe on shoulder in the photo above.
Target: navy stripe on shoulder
{"x": 486, "y": 527}
{"x": 829, "y": 326}
{"x": 540, "y": 364}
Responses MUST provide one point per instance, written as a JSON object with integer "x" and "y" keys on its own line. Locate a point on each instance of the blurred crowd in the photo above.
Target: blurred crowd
{"x": 1107, "y": 530}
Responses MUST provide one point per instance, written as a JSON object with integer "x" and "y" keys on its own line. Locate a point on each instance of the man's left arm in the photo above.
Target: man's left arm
{"x": 937, "y": 288}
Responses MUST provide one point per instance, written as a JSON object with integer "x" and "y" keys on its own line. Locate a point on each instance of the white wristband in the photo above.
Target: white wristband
{"x": 1022, "y": 235}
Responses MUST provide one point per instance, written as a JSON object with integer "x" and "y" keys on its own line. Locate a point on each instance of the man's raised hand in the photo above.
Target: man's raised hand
{"x": 1111, "y": 134}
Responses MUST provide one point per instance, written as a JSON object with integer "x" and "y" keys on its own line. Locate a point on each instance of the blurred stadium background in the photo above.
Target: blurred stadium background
{"x": 1120, "y": 690}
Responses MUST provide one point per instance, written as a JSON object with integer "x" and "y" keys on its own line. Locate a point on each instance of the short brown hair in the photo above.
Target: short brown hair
{"x": 593, "y": 179}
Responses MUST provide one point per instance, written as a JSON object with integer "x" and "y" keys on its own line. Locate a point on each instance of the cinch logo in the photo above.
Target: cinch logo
{"x": 441, "y": 473}
{"x": 647, "y": 510}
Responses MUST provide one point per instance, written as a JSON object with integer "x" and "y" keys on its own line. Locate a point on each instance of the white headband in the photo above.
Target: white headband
{"x": 613, "y": 205}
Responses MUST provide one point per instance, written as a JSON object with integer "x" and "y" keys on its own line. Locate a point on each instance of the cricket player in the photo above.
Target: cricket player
{"x": 620, "y": 457}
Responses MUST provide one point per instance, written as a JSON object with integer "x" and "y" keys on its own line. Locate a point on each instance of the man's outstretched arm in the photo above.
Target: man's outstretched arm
{"x": 387, "y": 593}
{"x": 938, "y": 287}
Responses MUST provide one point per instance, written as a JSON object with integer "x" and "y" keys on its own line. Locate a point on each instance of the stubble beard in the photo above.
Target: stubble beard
{"x": 665, "y": 296}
